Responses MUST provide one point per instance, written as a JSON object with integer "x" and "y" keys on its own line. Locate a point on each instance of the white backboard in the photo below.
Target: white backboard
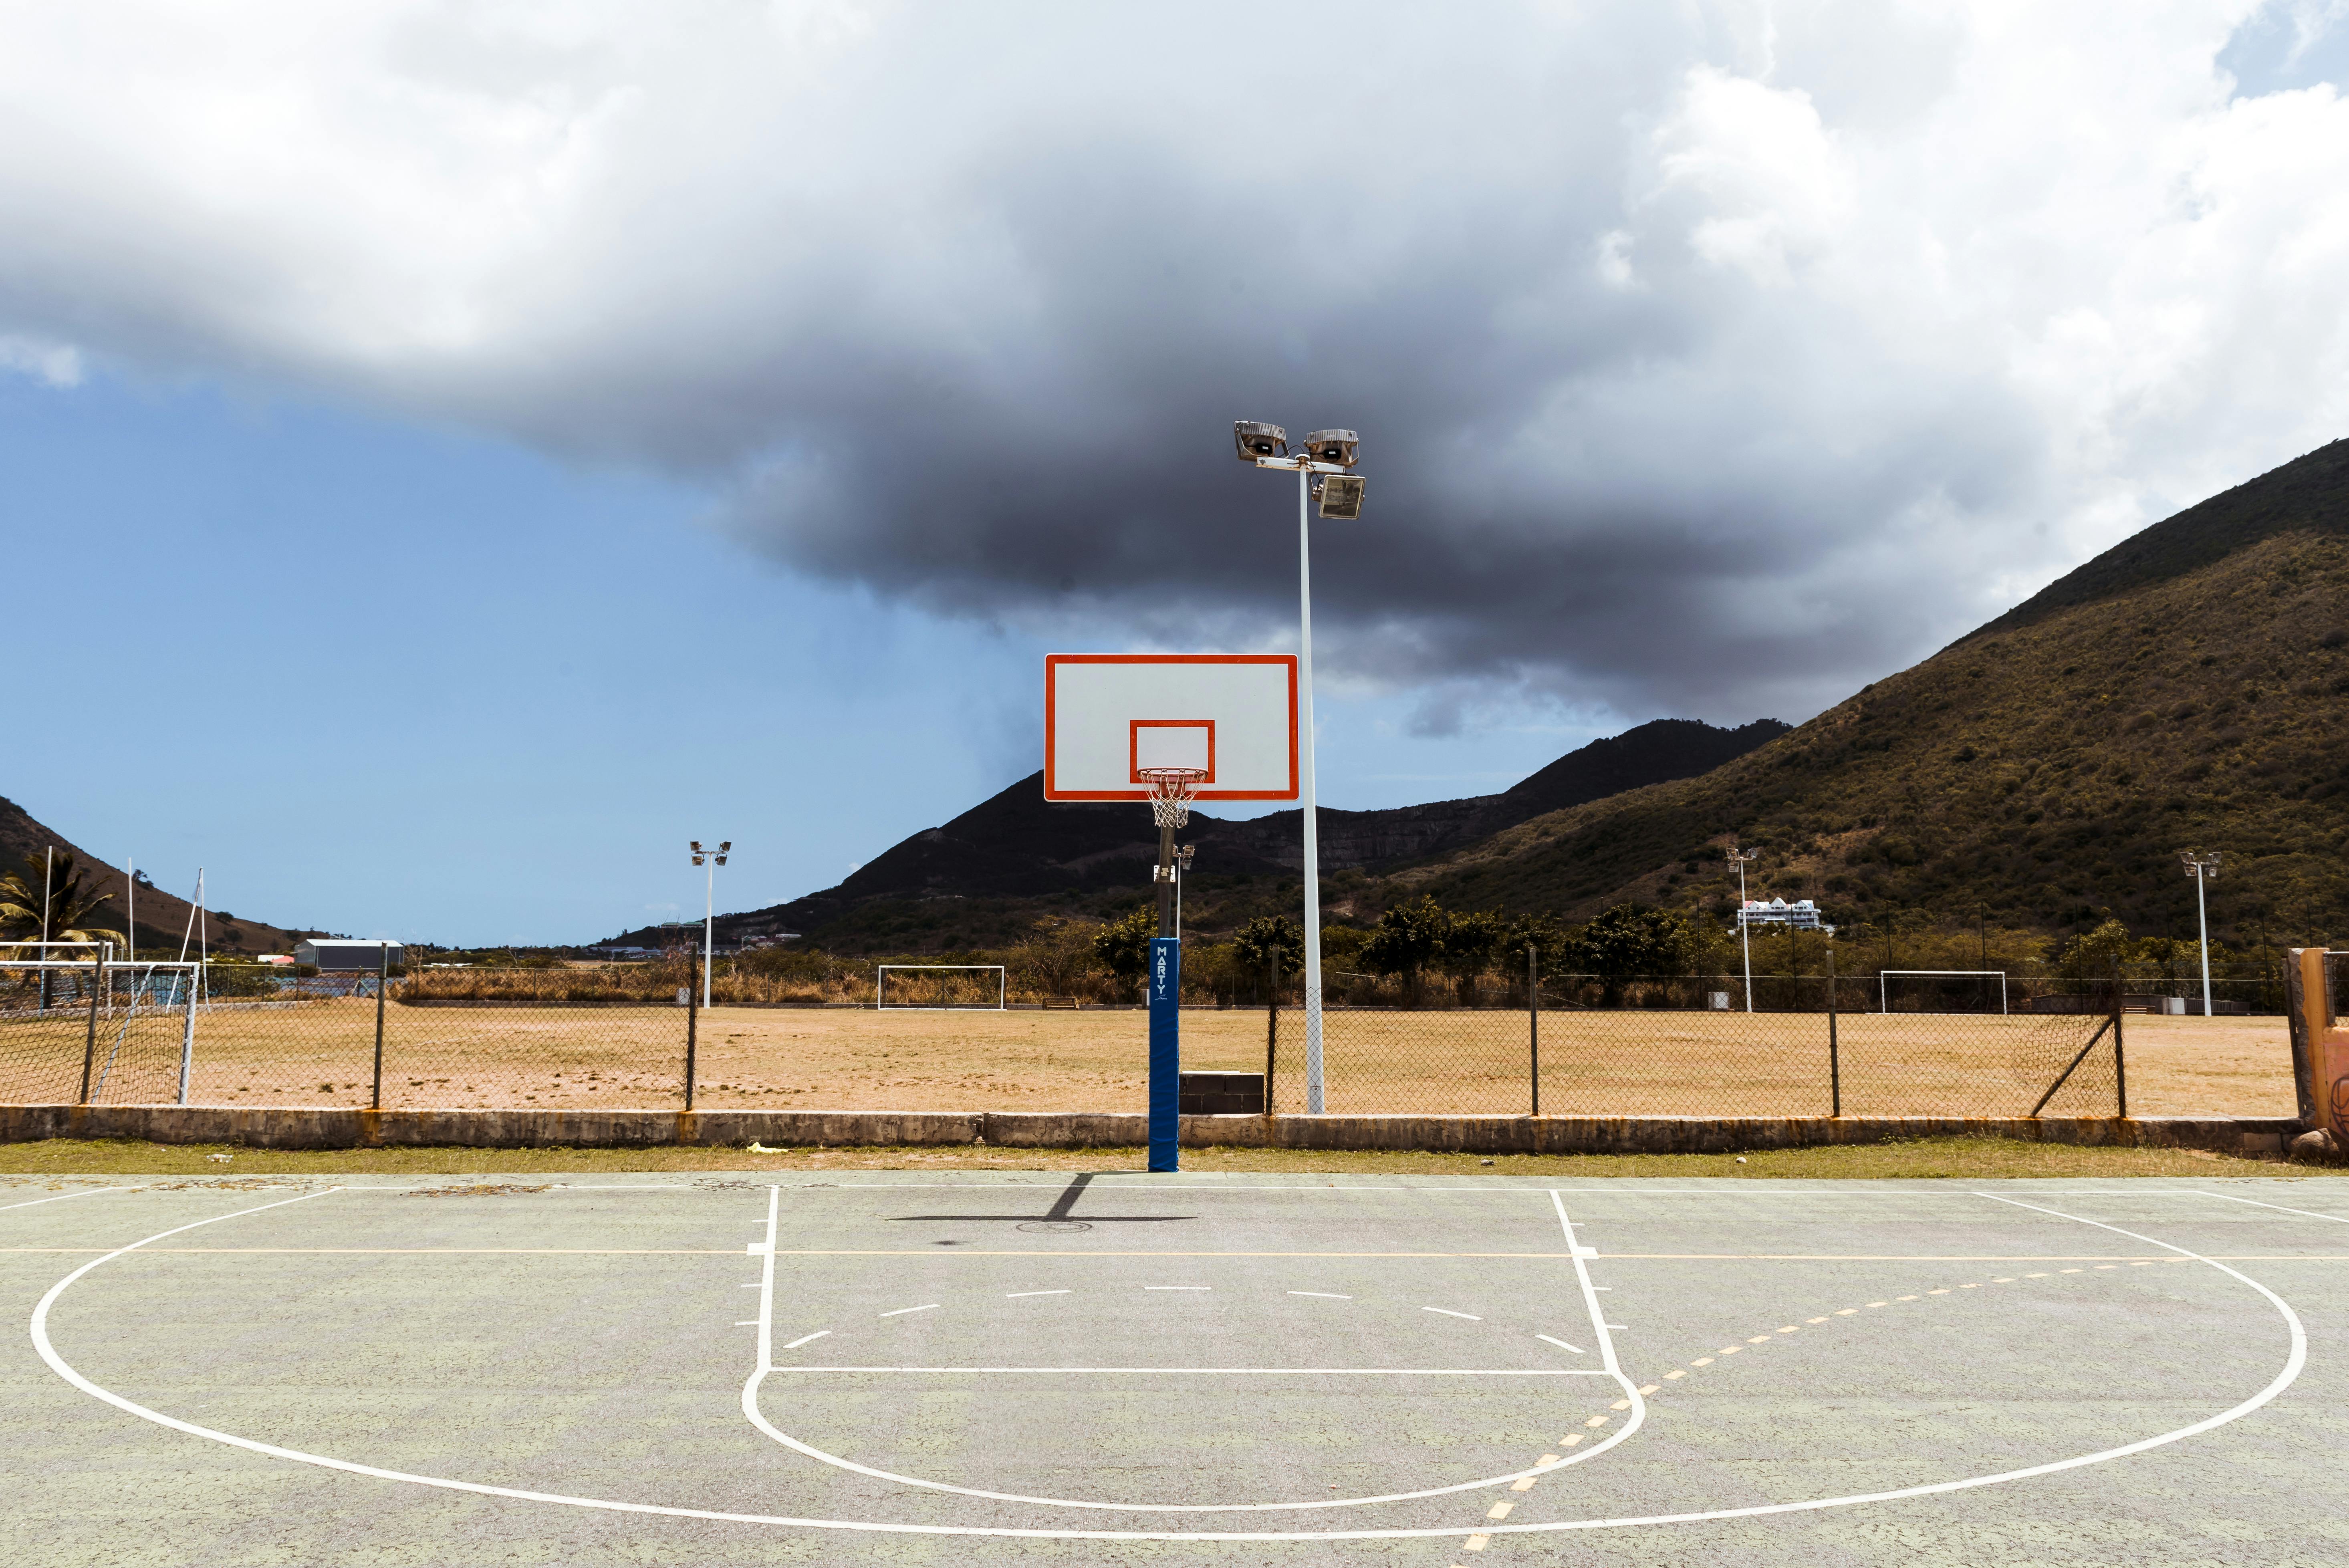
{"x": 1108, "y": 715}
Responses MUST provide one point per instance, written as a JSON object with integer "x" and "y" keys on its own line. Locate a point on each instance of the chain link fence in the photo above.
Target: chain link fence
{"x": 1689, "y": 1046}
{"x": 161, "y": 1034}
{"x": 119, "y": 1033}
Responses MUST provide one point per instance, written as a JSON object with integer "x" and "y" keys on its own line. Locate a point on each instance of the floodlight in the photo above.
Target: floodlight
{"x": 1342, "y": 497}
{"x": 1256, "y": 441}
{"x": 1333, "y": 446}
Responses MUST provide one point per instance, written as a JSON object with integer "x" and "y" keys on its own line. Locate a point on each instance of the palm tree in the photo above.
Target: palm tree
{"x": 58, "y": 911}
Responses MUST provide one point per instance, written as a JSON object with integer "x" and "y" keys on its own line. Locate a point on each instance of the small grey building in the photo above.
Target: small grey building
{"x": 340, "y": 955}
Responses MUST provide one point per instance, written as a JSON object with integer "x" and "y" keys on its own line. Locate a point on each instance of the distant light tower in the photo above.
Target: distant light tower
{"x": 710, "y": 906}
{"x": 2203, "y": 869}
{"x": 1744, "y": 942}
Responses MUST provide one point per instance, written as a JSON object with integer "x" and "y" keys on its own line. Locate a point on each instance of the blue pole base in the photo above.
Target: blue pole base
{"x": 1166, "y": 1051}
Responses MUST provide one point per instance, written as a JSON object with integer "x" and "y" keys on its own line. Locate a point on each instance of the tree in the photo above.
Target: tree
{"x": 1471, "y": 943}
{"x": 68, "y": 904}
{"x": 2095, "y": 954}
{"x": 1055, "y": 958}
{"x": 1632, "y": 940}
{"x": 1270, "y": 942}
{"x": 1408, "y": 938}
{"x": 1124, "y": 945}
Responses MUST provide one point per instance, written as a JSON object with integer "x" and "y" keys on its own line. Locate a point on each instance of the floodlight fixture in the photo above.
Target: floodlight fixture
{"x": 1342, "y": 497}
{"x": 1339, "y": 446}
{"x": 1256, "y": 441}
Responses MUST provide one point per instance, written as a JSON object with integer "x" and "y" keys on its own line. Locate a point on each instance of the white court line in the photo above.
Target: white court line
{"x": 2294, "y": 1365}
{"x": 1561, "y": 1344}
{"x": 1324, "y": 1295}
{"x": 2278, "y": 1208}
{"x": 1016, "y": 1295}
{"x": 766, "y": 1367}
{"x": 1449, "y": 1313}
{"x": 902, "y": 1310}
{"x": 1237, "y": 1372}
{"x": 807, "y": 1339}
{"x": 89, "y": 1193}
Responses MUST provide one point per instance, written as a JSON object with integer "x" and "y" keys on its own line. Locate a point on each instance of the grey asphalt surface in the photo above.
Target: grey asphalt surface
{"x": 980, "y": 1352}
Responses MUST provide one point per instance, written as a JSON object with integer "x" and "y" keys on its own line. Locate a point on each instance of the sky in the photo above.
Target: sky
{"x": 450, "y": 456}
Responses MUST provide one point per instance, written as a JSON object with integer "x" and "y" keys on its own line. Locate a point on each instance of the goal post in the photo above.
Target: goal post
{"x": 1942, "y": 986}
{"x": 939, "y": 987}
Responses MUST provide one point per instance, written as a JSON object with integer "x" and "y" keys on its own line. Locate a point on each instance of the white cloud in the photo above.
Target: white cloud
{"x": 57, "y": 363}
{"x": 1712, "y": 357}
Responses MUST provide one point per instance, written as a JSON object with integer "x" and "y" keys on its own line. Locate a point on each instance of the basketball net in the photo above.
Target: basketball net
{"x": 1172, "y": 791}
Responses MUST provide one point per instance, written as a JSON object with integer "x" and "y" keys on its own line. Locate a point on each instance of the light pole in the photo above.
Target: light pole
{"x": 2203, "y": 869}
{"x": 1182, "y": 863}
{"x": 713, "y": 859}
{"x": 1330, "y": 453}
{"x": 1744, "y": 940}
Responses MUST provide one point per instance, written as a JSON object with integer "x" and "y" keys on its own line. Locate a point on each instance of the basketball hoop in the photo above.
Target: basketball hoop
{"x": 1171, "y": 793}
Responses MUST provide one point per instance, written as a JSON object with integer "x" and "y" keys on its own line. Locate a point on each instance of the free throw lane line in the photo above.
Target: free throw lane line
{"x": 766, "y": 1368}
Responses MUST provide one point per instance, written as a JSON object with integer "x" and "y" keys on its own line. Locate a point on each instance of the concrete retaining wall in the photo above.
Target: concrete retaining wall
{"x": 332, "y": 1129}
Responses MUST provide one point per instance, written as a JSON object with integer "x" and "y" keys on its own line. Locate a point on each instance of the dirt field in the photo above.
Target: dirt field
{"x": 848, "y": 1059}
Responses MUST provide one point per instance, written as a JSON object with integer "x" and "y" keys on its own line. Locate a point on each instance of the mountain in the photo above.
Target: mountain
{"x": 2183, "y": 689}
{"x": 162, "y": 917}
{"x": 984, "y": 877}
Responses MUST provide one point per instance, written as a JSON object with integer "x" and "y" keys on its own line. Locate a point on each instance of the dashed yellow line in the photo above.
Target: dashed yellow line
{"x": 1501, "y": 1510}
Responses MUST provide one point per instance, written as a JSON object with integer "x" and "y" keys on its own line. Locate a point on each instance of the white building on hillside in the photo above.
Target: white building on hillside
{"x": 1802, "y": 914}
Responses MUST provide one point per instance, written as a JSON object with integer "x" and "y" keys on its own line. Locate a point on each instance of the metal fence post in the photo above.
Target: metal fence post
{"x": 1533, "y": 1020}
{"x": 2120, "y": 1063}
{"x": 187, "y": 1036}
{"x": 693, "y": 1020}
{"x": 1834, "y": 1057}
{"x": 382, "y": 982}
{"x": 90, "y": 1046}
{"x": 1271, "y": 1022}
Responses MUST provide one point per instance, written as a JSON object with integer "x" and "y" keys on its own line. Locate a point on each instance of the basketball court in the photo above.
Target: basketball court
{"x": 1129, "y": 1367}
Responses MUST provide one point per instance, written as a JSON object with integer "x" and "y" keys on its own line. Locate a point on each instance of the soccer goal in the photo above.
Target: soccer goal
{"x": 1940, "y": 991}
{"x": 938, "y": 986}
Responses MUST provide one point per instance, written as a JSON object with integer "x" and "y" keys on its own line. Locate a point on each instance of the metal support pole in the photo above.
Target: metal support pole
{"x": 187, "y": 1039}
{"x": 1165, "y": 876}
{"x": 708, "y": 929}
{"x": 1304, "y": 787}
{"x": 2202, "y": 915}
{"x": 692, "y": 1022}
{"x": 1835, "y": 1060}
{"x": 1271, "y": 1023}
{"x": 2120, "y": 1062}
{"x": 90, "y": 1046}
{"x": 382, "y": 983}
{"x": 1533, "y": 1020}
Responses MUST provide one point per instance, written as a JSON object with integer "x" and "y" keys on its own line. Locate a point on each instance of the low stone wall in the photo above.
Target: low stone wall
{"x": 335, "y": 1128}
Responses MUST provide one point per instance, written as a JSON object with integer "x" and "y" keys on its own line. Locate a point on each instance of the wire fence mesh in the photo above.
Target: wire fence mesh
{"x": 161, "y": 1034}
{"x": 158, "y": 1034}
{"x": 1687, "y": 1045}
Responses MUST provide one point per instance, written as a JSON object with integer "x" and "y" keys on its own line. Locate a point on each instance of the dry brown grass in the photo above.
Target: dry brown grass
{"x": 320, "y": 1053}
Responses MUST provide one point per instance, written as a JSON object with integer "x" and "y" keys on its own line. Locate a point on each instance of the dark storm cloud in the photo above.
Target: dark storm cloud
{"x": 1711, "y": 359}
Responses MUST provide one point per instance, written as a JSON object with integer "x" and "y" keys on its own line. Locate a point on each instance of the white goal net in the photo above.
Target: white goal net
{"x": 935, "y": 987}
{"x": 1942, "y": 991}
